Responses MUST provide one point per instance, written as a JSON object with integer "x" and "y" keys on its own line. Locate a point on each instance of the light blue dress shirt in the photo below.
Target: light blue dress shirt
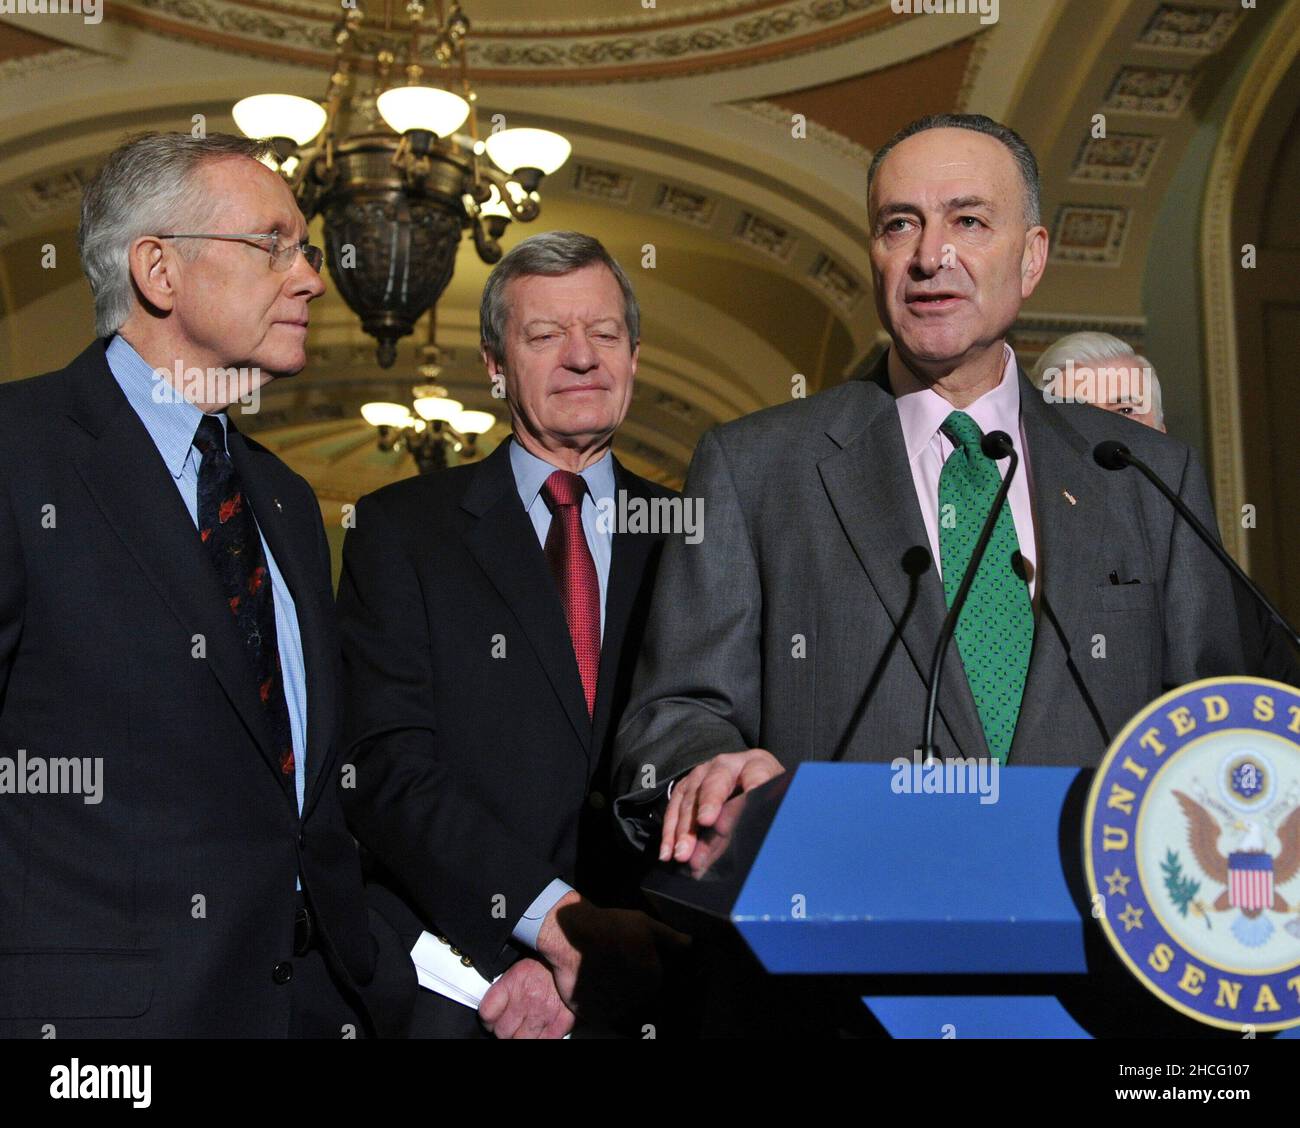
{"x": 172, "y": 422}
{"x": 530, "y": 474}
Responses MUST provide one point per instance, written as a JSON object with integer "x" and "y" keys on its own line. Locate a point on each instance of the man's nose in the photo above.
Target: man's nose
{"x": 303, "y": 281}
{"x": 932, "y": 253}
{"x": 578, "y": 354}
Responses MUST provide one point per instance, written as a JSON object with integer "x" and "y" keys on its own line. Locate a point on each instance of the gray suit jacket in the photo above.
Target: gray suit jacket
{"x": 805, "y": 620}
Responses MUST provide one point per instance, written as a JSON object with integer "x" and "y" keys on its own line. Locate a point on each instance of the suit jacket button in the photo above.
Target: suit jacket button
{"x": 282, "y": 972}
{"x": 597, "y": 800}
{"x": 302, "y": 839}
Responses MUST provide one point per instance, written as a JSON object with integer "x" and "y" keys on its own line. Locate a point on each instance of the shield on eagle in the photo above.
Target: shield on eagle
{"x": 1250, "y": 881}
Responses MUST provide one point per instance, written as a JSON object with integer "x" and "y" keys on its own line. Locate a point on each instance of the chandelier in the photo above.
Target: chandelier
{"x": 390, "y": 172}
{"x": 434, "y": 422}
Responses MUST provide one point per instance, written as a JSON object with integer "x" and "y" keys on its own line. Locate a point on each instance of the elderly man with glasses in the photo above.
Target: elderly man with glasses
{"x": 173, "y": 855}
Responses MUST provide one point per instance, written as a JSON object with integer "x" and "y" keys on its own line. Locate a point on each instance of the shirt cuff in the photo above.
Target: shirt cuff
{"x": 530, "y": 924}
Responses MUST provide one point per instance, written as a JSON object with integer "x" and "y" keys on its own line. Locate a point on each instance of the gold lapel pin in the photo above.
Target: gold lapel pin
{"x": 1064, "y": 493}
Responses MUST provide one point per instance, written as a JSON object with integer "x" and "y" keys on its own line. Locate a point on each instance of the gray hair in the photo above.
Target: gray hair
{"x": 977, "y": 123}
{"x": 551, "y": 253}
{"x": 148, "y": 186}
{"x": 1090, "y": 348}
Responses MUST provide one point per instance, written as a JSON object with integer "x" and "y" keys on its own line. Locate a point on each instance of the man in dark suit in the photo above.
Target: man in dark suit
{"x": 491, "y": 615}
{"x": 803, "y": 627}
{"x": 166, "y": 628}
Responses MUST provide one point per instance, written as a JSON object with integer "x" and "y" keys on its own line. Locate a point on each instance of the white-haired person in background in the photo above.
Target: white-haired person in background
{"x": 1102, "y": 370}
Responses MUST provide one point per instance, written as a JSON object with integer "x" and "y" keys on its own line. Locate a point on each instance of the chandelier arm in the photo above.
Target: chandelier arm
{"x": 489, "y": 250}
{"x": 524, "y": 212}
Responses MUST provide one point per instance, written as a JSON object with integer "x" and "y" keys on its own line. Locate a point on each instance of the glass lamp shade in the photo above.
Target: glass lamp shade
{"x": 386, "y": 415}
{"x": 474, "y": 422}
{"x": 438, "y": 407}
{"x": 264, "y": 116}
{"x": 423, "y": 107}
{"x": 513, "y": 149}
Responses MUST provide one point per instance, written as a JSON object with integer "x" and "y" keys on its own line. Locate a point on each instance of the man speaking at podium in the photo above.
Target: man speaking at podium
{"x": 804, "y": 624}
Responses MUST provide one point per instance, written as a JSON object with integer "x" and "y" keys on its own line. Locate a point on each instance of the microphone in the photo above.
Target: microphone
{"x": 1113, "y": 455}
{"x": 997, "y": 446}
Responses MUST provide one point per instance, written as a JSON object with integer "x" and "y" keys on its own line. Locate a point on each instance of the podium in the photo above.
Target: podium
{"x": 944, "y": 915}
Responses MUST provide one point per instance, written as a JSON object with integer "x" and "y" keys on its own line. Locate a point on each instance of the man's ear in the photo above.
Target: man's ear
{"x": 154, "y": 272}
{"x": 1033, "y": 261}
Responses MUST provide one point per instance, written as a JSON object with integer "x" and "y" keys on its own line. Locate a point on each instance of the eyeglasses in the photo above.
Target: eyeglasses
{"x": 282, "y": 254}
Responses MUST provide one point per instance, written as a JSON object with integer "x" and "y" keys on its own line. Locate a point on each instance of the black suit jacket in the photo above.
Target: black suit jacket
{"x": 163, "y": 909}
{"x": 479, "y": 776}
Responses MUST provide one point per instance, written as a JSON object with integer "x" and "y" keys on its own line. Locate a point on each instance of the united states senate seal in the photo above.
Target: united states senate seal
{"x": 1192, "y": 846}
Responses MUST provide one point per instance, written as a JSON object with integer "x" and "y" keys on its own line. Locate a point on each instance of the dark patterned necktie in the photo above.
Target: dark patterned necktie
{"x": 995, "y": 634}
{"x": 228, "y": 530}
{"x": 575, "y": 574}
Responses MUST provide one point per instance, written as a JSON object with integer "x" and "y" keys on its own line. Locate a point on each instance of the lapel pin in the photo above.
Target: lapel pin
{"x": 281, "y": 507}
{"x": 1064, "y": 493}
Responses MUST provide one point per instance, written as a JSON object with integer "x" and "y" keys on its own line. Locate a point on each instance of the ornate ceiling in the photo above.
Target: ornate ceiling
{"x": 724, "y": 144}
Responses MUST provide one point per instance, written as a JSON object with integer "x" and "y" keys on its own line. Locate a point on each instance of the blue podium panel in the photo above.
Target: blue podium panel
{"x": 855, "y": 877}
{"x": 974, "y": 1016}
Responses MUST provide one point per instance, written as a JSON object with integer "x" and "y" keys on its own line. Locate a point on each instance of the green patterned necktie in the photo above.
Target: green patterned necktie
{"x": 996, "y": 630}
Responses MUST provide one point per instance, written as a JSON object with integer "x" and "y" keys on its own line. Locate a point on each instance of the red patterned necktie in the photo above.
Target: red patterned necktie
{"x": 575, "y": 574}
{"x": 229, "y": 532}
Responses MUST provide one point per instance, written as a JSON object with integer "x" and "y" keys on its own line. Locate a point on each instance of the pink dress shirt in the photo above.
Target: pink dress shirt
{"x": 922, "y": 410}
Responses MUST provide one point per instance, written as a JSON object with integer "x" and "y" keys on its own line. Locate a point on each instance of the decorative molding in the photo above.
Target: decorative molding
{"x": 835, "y": 282}
{"x": 532, "y": 53}
{"x": 764, "y": 235}
{"x": 1089, "y": 234}
{"x": 672, "y": 470}
{"x": 672, "y": 14}
{"x": 1219, "y": 263}
{"x": 1033, "y": 334}
{"x": 1120, "y": 158}
{"x": 1149, "y": 90}
{"x": 55, "y": 191}
{"x": 1194, "y": 31}
{"x": 974, "y": 64}
{"x": 688, "y": 413}
{"x": 694, "y": 208}
{"x": 605, "y": 184}
{"x": 1131, "y": 329}
{"x": 771, "y": 114}
{"x": 25, "y": 67}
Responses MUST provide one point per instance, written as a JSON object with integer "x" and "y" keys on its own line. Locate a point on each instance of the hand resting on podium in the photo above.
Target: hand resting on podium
{"x": 697, "y": 798}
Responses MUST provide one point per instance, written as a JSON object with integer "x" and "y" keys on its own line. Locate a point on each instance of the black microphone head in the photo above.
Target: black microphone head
{"x": 1111, "y": 455}
{"x": 996, "y": 445}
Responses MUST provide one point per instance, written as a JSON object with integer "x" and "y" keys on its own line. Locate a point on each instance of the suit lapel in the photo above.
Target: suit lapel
{"x": 870, "y": 485}
{"x": 124, "y": 473}
{"x": 266, "y": 482}
{"x": 504, "y": 542}
{"x": 1070, "y": 505}
{"x": 628, "y": 557}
